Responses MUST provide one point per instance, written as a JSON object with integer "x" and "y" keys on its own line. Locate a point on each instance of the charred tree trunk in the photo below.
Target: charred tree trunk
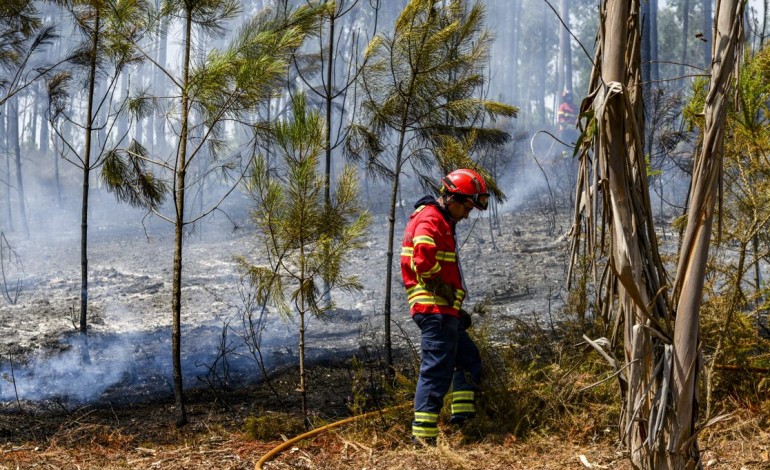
{"x": 45, "y": 133}
{"x": 537, "y": 93}
{"x": 15, "y": 143}
{"x": 515, "y": 40}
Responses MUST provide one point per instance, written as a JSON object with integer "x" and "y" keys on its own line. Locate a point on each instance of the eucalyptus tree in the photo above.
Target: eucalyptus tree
{"x": 221, "y": 90}
{"x": 744, "y": 215}
{"x": 109, "y": 29}
{"x": 691, "y": 268}
{"x": 419, "y": 89}
{"x": 659, "y": 371}
{"x": 306, "y": 238}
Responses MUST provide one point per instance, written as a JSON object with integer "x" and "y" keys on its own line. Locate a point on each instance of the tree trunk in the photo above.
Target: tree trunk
{"x": 646, "y": 47}
{"x": 161, "y": 144}
{"x": 45, "y": 133}
{"x": 389, "y": 255}
{"x": 708, "y": 21}
{"x": 15, "y": 135}
{"x": 542, "y": 68}
{"x": 6, "y": 180}
{"x": 626, "y": 256}
{"x": 515, "y": 40}
{"x": 86, "y": 181}
{"x": 328, "y": 90}
{"x": 682, "y": 445}
{"x": 764, "y": 24}
{"x": 565, "y": 48}
{"x": 685, "y": 34}
{"x": 654, "y": 69}
{"x": 179, "y": 195}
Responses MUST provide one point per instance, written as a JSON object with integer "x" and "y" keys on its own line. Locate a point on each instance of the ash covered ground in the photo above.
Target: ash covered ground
{"x": 514, "y": 269}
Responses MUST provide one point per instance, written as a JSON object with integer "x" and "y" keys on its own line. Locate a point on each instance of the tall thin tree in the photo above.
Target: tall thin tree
{"x": 420, "y": 87}
{"x": 109, "y": 29}
{"x": 226, "y": 86}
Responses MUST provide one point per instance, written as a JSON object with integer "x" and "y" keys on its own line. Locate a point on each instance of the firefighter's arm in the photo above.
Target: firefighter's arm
{"x": 427, "y": 266}
{"x": 424, "y": 262}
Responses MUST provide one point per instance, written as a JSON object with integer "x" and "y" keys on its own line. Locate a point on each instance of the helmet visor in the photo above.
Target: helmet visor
{"x": 481, "y": 201}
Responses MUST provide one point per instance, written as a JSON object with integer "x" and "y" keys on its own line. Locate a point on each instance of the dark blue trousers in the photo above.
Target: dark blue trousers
{"x": 449, "y": 358}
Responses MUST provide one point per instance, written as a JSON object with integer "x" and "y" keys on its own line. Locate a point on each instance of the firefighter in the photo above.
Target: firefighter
{"x": 435, "y": 290}
{"x": 567, "y": 118}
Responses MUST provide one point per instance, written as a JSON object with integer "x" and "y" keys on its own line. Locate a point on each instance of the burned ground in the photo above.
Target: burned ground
{"x": 116, "y": 410}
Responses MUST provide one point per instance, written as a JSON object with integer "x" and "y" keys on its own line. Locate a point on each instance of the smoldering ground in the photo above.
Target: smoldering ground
{"x": 514, "y": 268}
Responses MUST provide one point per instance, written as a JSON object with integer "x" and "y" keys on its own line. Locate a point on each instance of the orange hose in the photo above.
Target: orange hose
{"x": 284, "y": 445}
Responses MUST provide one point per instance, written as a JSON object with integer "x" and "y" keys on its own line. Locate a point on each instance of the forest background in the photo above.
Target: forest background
{"x": 212, "y": 109}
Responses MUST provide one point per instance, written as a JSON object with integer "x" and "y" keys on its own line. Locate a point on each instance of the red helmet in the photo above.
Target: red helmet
{"x": 467, "y": 184}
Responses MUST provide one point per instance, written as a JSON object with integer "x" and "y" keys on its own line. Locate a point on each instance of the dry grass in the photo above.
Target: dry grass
{"x": 144, "y": 437}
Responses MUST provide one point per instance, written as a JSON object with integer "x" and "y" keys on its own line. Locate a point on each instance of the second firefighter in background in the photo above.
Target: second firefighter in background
{"x": 435, "y": 289}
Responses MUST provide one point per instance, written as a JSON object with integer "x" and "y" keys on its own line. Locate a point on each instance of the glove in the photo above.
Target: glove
{"x": 466, "y": 321}
{"x": 438, "y": 287}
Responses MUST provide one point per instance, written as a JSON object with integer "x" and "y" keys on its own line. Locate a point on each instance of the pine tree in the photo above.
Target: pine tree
{"x": 306, "y": 239}
{"x": 421, "y": 85}
{"x": 221, "y": 90}
{"x": 110, "y": 29}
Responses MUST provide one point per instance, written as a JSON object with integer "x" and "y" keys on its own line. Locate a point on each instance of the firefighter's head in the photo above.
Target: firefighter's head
{"x": 462, "y": 191}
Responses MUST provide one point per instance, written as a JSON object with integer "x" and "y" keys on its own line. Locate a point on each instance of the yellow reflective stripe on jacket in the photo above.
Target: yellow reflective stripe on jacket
{"x": 428, "y": 274}
{"x": 423, "y": 239}
{"x": 420, "y": 295}
{"x": 426, "y": 298}
{"x": 449, "y": 256}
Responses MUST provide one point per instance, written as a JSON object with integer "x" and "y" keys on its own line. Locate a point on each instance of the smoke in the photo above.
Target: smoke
{"x": 542, "y": 172}
{"x": 133, "y": 365}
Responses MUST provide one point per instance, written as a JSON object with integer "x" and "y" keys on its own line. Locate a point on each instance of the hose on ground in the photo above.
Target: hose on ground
{"x": 286, "y": 444}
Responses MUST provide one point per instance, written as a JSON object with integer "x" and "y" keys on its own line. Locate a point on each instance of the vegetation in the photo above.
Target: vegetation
{"x": 306, "y": 239}
{"x": 177, "y": 135}
{"x": 421, "y": 88}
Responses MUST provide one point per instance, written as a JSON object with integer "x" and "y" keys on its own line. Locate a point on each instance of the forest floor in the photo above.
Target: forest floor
{"x": 59, "y": 412}
{"x": 144, "y": 436}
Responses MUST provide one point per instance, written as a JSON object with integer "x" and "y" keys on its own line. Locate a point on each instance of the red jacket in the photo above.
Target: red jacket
{"x": 566, "y": 115}
{"x": 429, "y": 250}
